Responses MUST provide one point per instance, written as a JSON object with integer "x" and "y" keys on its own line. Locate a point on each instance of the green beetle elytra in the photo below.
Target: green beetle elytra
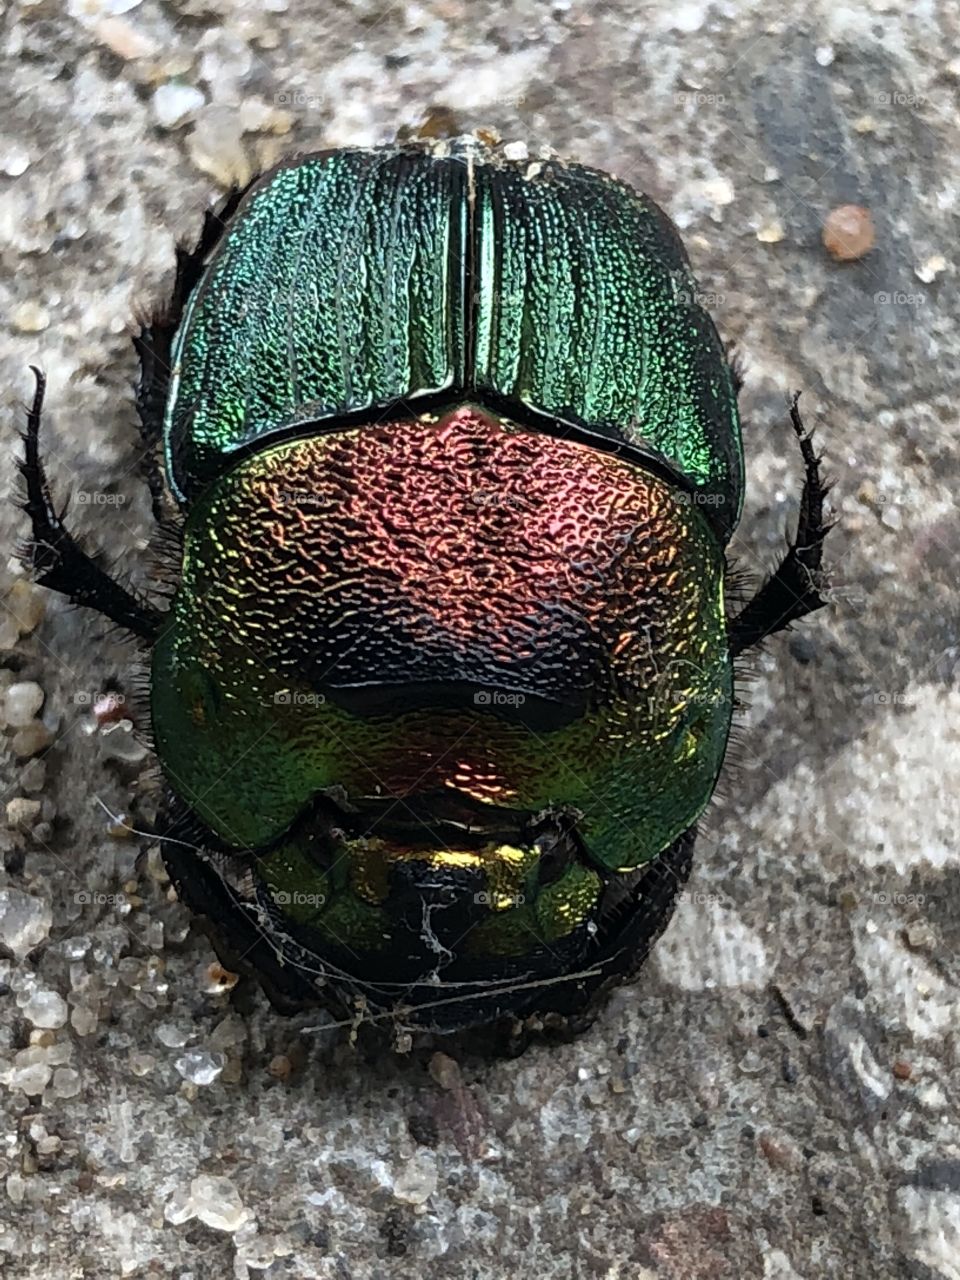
{"x": 453, "y": 454}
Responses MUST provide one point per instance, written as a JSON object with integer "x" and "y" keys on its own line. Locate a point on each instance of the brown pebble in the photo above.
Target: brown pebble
{"x": 848, "y": 232}
{"x": 221, "y": 979}
{"x": 778, "y": 1154}
{"x": 445, "y": 1071}
{"x": 280, "y": 1067}
{"x": 31, "y": 740}
{"x": 440, "y": 123}
{"x": 902, "y": 1070}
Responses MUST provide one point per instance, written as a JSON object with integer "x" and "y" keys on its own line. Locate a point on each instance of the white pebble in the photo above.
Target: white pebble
{"x": 200, "y": 1067}
{"x": 30, "y": 317}
{"x": 24, "y": 921}
{"x": 22, "y": 812}
{"x": 174, "y": 104}
{"x": 22, "y": 702}
{"x": 417, "y": 1180}
{"x": 66, "y": 1082}
{"x": 214, "y": 1200}
{"x": 46, "y": 1009}
{"x": 14, "y": 162}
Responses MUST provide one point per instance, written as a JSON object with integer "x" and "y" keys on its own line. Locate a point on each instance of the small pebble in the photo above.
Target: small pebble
{"x": 32, "y": 1078}
{"x": 124, "y": 40}
{"x": 902, "y": 1070}
{"x": 84, "y": 1020}
{"x": 848, "y": 232}
{"x": 445, "y": 1071}
{"x": 171, "y": 1036}
{"x": 14, "y": 162}
{"x": 33, "y": 775}
{"x": 46, "y": 1009}
{"x": 22, "y": 702}
{"x": 31, "y": 740}
{"x": 417, "y": 1180}
{"x": 261, "y": 117}
{"x": 771, "y": 232}
{"x": 200, "y": 1067}
{"x": 214, "y": 1200}
{"x": 26, "y": 605}
{"x": 22, "y": 812}
{"x": 30, "y": 317}
{"x": 215, "y": 147}
{"x": 66, "y": 1082}
{"x": 174, "y": 104}
{"x": 929, "y": 270}
{"x": 516, "y": 151}
{"x": 220, "y": 979}
{"x": 24, "y": 921}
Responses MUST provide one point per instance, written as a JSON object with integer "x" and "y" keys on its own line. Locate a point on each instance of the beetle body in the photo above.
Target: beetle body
{"x": 447, "y": 678}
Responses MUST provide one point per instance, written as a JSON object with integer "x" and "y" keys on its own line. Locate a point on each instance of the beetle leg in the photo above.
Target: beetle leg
{"x": 154, "y": 342}
{"x": 797, "y": 586}
{"x": 56, "y": 559}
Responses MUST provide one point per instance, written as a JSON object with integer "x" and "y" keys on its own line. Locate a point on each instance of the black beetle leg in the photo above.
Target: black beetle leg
{"x": 154, "y": 342}
{"x": 797, "y": 586}
{"x": 53, "y": 556}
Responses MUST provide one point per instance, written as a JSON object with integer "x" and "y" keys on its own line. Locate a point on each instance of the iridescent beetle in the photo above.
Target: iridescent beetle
{"x": 447, "y": 678}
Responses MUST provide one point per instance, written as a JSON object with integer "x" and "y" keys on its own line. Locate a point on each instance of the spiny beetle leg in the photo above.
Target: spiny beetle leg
{"x": 53, "y": 556}
{"x": 797, "y": 586}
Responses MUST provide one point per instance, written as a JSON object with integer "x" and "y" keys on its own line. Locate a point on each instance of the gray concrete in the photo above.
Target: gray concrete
{"x": 776, "y": 1097}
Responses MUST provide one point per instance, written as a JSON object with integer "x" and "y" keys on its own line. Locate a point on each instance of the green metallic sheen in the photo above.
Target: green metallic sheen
{"x": 352, "y": 280}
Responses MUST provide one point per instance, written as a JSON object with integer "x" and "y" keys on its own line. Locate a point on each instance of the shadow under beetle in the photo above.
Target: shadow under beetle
{"x": 446, "y": 682}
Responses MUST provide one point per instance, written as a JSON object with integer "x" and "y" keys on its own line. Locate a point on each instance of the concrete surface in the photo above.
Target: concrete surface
{"x": 777, "y": 1096}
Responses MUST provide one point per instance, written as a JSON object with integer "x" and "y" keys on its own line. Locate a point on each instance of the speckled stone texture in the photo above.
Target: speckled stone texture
{"x": 777, "y": 1096}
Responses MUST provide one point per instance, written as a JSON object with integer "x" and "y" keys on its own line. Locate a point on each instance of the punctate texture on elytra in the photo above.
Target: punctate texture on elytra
{"x": 446, "y": 678}
{"x": 354, "y": 279}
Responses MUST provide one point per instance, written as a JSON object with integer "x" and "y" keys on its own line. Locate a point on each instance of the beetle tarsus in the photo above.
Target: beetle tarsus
{"x": 52, "y": 554}
{"x": 798, "y": 585}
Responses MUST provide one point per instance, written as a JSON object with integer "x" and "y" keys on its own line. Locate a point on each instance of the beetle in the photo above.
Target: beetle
{"x": 445, "y": 684}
